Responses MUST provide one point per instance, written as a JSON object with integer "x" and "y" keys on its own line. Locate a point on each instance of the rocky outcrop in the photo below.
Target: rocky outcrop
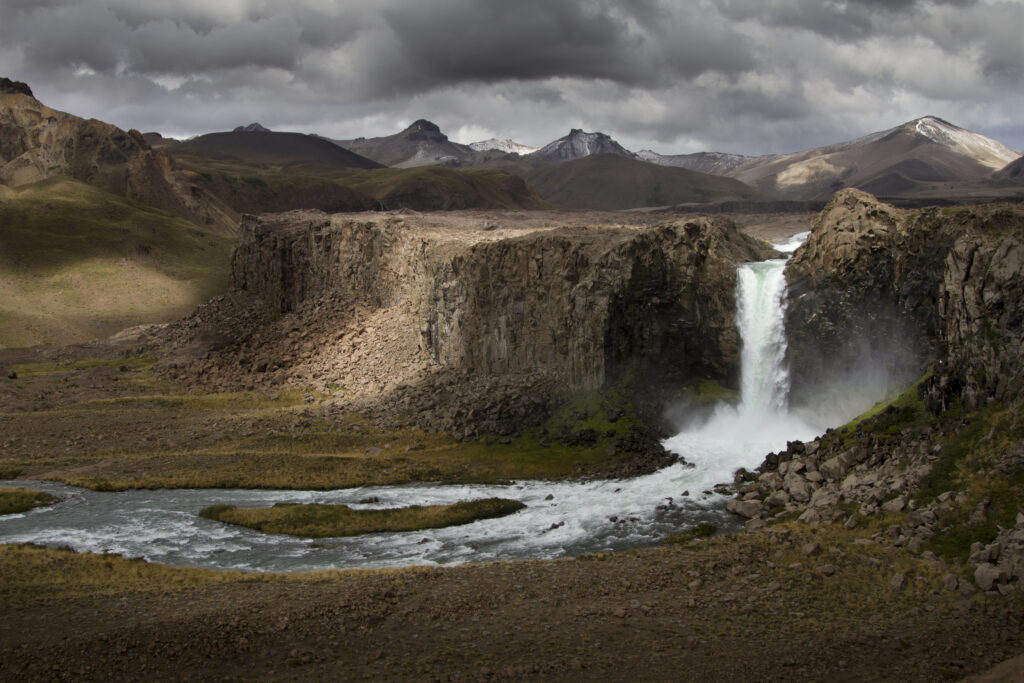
{"x": 982, "y": 311}
{"x": 947, "y": 285}
{"x": 386, "y": 304}
{"x": 7, "y": 86}
{"x": 877, "y": 293}
{"x": 37, "y": 142}
{"x": 1000, "y": 564}
{"x": 863, "y": 296}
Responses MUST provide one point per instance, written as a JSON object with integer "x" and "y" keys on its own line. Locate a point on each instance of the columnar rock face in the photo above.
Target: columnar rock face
{"x": 863, "y": 296}
{"x": 590, "y": 306}
{"x": 982, "y": 311}
{"x": 879, "y": 291}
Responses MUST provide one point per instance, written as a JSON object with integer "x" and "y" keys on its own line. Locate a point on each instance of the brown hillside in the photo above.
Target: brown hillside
{"x": 37, "y": 142}
{"x": 278, "y": 149}
{"x": 610, "y": 182}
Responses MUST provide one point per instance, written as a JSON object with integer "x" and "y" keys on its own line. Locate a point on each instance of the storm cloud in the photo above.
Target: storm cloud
{"x": 747, "y": 76}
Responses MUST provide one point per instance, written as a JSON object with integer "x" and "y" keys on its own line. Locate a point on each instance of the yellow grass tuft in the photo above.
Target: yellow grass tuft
{"x": 20, "y": 500}
{"x": 322, "y": 521}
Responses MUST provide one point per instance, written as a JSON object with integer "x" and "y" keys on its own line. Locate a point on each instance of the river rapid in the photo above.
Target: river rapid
{"x": 561, "y": 518}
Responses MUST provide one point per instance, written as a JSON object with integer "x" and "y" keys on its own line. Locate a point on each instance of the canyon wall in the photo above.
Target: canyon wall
{"x": 541, "y": 310}
{"x": 876, "y": 294}
{"x": 982, "y": 311}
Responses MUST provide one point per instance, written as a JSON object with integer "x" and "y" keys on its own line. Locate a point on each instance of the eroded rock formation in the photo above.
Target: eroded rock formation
{"x": 37, "y": 142}
{"x": 878, "y": 293}
{"x": 442, "y": 316}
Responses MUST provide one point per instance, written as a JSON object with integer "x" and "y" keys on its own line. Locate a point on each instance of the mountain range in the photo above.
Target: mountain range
{"x": 87, "y": 209}
{"x": 924, "y": 158}
{"x": 198, "y": 179}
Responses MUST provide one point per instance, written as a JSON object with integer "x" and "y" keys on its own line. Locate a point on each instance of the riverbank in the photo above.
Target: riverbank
{"x": 793, "y": 603}
{"x": 99, "y": 416}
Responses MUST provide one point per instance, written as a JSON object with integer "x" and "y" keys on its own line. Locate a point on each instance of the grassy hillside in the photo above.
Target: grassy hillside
{"x": 261, "y": 188}
{"x": 608, "y": 181}
{"x": 77, "y": 263}
{"x": 293, "y": 150}
{"x": 436, "y": 188}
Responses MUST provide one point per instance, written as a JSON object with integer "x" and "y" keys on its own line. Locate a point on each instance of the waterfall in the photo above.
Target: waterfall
{"x": 760, "y": 304}
{"x": 739, "y": 436}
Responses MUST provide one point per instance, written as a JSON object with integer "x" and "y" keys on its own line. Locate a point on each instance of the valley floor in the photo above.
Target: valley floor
{"x": 786, "y": 603}
{"x": 750, "y": 607}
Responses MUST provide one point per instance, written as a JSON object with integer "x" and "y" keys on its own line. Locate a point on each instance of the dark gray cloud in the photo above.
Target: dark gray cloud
{"x": 747, "y": 76}
{"x": 534, "y": 39}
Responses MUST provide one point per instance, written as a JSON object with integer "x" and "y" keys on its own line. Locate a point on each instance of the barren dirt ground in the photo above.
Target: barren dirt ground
{"x": 748, "y": 608}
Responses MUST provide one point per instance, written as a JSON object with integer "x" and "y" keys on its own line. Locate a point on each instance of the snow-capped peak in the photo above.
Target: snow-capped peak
{"x": 983, "y": 149}
{"x": 579, "y": 144}
{"x": 505, "y": 145}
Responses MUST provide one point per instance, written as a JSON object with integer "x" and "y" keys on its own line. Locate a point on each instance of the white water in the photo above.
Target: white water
{"x": 578, "y": 518}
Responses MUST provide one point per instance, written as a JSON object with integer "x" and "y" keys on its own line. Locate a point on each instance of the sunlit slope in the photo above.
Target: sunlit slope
{"x": 78, "y": 263}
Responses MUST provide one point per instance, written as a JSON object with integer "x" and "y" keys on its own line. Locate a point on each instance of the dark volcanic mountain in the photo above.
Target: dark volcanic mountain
{"x": 253, "y": 127}
{"x": 612, "y": 181}
{"x": 277, "y": 149}
{"x": 578, "y": 144}
{"x": 158, "y": 141}
{"x": 1012, "y": 171}
{"x": 921, "y": 156}
{"x": 421, "y": 144}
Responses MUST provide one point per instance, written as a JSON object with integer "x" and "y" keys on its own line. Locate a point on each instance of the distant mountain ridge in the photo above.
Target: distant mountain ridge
{"x": 268, "y": 147}
{"x": 578, "y": 144}
{"x": 1012, "y": 171}
{"x": 615, "y": 182}
{"x": 503, "y": 145}
{"x": 716, "y": 163}
{"x": 420, "y": 144}
{"x": 917, "y": 158}
{"x": 253, "y": 127}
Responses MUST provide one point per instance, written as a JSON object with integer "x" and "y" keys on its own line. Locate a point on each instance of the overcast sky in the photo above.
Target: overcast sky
{"x": 746, "y": 76}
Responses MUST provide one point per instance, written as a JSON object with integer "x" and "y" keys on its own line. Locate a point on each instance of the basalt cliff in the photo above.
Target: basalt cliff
{"x": 470, "y": 328}
{"x": 880, "y": 292}
{"x": 934, "y": 295}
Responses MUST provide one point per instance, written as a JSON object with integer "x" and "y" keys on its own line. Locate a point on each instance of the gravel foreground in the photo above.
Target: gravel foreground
{"x": 782, "y": 604}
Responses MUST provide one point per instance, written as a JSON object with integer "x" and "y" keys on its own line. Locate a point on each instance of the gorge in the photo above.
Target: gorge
{"x": 561, "y": 518}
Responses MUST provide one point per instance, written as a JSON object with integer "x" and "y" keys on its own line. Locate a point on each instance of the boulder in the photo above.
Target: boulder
{"x": 825, "y": 497}
{"x": 797, "y": 487}
{"x": 987, "y": 575}
{"x": 834, "y": 469}
{"x": 745, "y": 508}
{"x": 895, "y": 505}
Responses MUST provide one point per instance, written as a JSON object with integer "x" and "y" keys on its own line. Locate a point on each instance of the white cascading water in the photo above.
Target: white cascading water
{"x": 739, "y": 436}
{"x": 562, "y": 518}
